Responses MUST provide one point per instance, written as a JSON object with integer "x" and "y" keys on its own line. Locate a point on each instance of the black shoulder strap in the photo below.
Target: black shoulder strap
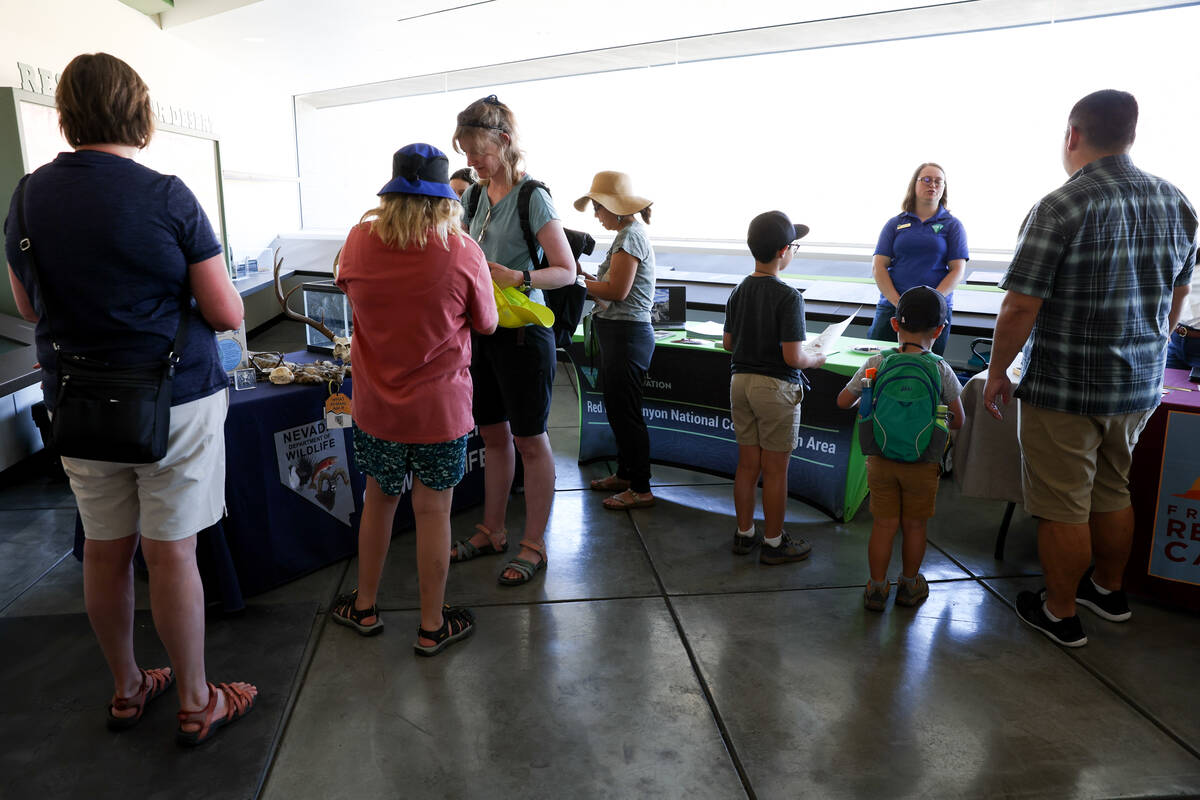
{"x": 26, "y": 247}
{"x": 523, "y": 200}
{"x": 471, "y": 203}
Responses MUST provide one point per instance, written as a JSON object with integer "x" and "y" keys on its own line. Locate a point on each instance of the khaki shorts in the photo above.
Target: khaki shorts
{"x": 1073, "y": 464}
{"x": 902, "y": 491}
{"x": 765, "y": 411}
{"x": 171, "y": 499}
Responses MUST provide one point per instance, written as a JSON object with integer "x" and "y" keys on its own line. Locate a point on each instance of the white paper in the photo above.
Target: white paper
{"x": 824, "y": 341}
{"x": 704, "y": 328}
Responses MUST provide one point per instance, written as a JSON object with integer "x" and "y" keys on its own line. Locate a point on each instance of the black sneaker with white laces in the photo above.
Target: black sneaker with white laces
{"x": 1067, "y": 632}
{"x": 1113, "y": 606}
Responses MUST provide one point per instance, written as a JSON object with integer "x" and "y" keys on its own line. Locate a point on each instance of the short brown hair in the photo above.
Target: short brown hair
{"x": 910, "y": 196}
{"x": 102, "y": 100}
{"x": 1107, "y": 119}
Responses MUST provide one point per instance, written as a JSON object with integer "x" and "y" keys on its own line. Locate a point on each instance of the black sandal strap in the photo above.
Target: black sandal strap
{"x": 454, "y": 622}
{"x": 345, "y": 607}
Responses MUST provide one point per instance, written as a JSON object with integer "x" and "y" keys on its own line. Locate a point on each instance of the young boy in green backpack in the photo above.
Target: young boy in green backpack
{"x": 903, "y": 427}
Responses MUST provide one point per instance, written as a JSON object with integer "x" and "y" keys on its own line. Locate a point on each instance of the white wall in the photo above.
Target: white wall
{"x": 831, "y": 135}
{"x": 251, "y": 115}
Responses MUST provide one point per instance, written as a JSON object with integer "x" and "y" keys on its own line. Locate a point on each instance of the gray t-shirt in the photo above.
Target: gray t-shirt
{"x": 951, "y": 388}
{"x": 763, "y": 312}
{"x": 636, "y": 305}
{"x": 498, "y": 229}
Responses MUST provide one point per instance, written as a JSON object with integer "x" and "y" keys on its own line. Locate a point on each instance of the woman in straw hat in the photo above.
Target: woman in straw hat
{"x": 513, "y": 369}
{"x": 624, "y": 291}
{"x": 418, "y": 285}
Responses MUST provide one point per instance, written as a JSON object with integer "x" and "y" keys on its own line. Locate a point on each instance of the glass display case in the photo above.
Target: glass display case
{"x": 325, "y": 302}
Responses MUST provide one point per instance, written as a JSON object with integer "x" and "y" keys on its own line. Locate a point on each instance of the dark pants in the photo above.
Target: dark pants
{"x": 881, "y": 327}
{"x": 1183, "y": 353}
{"x": 625, "y": 351}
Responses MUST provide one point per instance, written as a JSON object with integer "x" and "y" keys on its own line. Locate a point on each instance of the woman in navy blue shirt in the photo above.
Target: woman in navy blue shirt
{"x": 925, "y": 245}
{"x": 121, "y": 252}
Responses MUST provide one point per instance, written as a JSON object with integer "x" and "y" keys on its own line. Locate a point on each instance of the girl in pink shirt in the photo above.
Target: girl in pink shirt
{"x": 417, "y": 286}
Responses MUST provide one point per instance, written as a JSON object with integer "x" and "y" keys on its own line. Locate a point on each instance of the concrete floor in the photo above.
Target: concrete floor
{"x": 648, "y": 661}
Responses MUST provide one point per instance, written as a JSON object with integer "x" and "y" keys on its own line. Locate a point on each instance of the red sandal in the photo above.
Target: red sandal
{"x": 238, "y": 703}
{"x": 154, "y": 682}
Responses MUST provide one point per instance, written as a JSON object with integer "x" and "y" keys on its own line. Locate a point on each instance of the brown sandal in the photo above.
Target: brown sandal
{"x": 525, "y": 569}
{"x": 238, "y": 703}
{"x": 610, "y": 484}
{"x": 628, "y": 499}
{"x": 465, "y": 551}
{"x": 154, "y": 682}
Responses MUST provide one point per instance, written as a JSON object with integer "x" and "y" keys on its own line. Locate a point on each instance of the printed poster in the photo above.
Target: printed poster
{"x": 312, "y": 463}
{"x": 1175, "y": 549}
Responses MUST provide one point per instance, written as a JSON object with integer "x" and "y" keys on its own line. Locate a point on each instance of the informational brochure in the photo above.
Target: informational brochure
{"x": 825, "y": 341}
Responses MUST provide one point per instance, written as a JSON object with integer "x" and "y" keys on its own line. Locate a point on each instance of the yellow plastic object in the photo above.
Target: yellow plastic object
{"x": 517, "y": 310}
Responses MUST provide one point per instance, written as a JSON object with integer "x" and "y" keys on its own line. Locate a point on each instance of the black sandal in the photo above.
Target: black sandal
{"x": 344, "y": 613}
{"x": 457, "y": 623}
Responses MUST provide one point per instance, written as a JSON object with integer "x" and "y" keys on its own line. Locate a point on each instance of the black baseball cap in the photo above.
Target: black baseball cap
{"x": 921, "y": 308}
{"x": 770, "y": 232}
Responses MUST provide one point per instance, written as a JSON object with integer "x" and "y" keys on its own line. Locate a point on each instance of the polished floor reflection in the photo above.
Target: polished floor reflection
{"x": 649, "y": 661}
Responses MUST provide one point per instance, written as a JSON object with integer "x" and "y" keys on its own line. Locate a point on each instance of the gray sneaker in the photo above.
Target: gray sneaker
{"x": 910, "y": 594}
{"x": 875, "y": 598}
{"x": 789, "y": 549}
{"x": 744, "y": 544}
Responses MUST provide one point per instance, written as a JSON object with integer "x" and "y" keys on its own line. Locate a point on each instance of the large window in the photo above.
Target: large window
{"x": 831, "y": 135}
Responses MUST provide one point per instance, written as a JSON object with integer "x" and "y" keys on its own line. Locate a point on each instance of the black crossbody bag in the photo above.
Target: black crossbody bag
{"x": 105, "y": 411}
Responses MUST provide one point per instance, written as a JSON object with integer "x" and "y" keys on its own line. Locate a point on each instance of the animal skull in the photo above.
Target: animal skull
{"x": 341, "y": 349}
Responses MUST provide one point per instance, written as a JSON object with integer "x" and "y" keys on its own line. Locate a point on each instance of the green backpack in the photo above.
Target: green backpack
{"x": 904, "y": 419}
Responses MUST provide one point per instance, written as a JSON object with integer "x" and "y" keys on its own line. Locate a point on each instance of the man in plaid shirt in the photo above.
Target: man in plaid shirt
{"x": 1099, "y": 277}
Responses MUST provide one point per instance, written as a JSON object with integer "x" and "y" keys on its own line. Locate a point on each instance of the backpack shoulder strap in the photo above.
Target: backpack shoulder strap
{"x": 471, "y": 203}
{"x": 523, "y": 200}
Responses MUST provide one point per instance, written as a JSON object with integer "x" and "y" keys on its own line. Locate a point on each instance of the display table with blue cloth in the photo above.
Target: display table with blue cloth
{"x": 686, "y": 407}
{"x": 277, "y": 526}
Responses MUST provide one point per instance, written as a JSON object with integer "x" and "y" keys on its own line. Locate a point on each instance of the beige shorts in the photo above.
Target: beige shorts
{"x": 902, "y": 491}
{"x": 765, "y": 411}
{"x": 171, "y": 499}
{"x": 1073, "y": 464}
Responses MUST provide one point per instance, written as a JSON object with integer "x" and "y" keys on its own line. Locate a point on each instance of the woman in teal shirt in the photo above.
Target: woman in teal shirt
{"x": 512, "y": 369}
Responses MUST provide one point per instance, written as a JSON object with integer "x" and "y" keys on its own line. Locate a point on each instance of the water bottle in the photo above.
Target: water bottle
{"x": 864, "y": 404}
{"x": 942, "y": 418}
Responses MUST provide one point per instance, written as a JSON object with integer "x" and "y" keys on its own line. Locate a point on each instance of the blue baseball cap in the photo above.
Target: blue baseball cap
{"x": 420, "y": 169}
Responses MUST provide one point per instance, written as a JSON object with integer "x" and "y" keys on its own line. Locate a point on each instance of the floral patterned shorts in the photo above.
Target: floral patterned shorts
{"x": 438, "y": 466}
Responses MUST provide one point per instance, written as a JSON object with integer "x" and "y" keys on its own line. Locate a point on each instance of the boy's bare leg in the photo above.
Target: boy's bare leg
{"x": 774, "y": 495}
{"x": 879, "y": 548}
{"x": 745, "y": 481}
{"x": 912, "y": 549}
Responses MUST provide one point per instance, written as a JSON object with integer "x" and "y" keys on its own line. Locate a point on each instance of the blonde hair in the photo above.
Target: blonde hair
{"x": 487, "y": 119}
{"x": 406, "y": 220}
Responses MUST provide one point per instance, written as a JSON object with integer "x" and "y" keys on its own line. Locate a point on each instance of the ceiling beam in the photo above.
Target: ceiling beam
{"x": 185, "y": 11}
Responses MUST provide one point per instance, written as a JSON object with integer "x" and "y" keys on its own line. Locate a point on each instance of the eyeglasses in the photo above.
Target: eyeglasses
{"x": 794, "y": 247}
{"x": 483, "y": 228}
{"x": 925, "y": 179}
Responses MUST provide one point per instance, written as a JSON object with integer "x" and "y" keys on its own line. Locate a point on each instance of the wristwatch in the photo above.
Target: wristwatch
{"x": 527, "y": 279}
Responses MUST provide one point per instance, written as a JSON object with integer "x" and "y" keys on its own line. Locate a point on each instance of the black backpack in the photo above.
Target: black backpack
{"x": 566, "y": 302}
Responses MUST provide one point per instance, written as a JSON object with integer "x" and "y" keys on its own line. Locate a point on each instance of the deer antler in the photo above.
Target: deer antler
{"x": 283, "y": 301}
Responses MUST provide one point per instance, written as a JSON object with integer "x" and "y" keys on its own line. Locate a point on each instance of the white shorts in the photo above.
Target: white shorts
{"x": 173, "y": 498}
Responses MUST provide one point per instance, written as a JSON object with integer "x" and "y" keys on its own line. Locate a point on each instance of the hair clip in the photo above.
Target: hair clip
{"x": 491, "y": 100}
